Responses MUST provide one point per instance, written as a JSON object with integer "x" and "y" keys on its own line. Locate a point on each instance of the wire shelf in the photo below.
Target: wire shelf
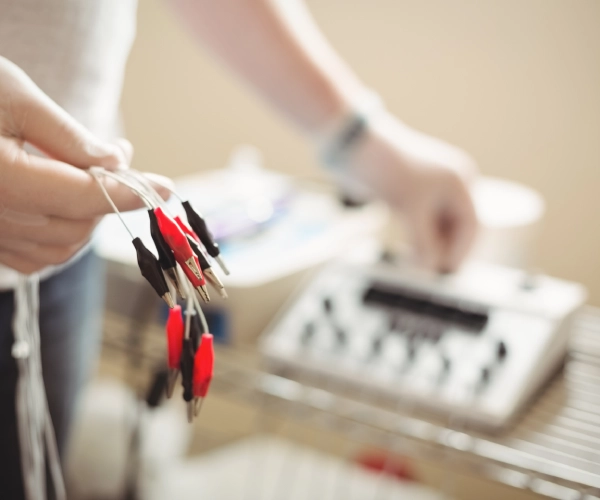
{"x": 552, "y": 450}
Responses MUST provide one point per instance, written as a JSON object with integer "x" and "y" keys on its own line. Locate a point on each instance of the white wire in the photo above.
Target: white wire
{"x": 200, "y": 313}
{"x": 33, "y": 416}
{"x": 191, "y": 296}
{"x": 107, "y": 173}
{"x": 110, "y": 201}
{"x": 142, "y": 181}
{"x": 158, "y": 181}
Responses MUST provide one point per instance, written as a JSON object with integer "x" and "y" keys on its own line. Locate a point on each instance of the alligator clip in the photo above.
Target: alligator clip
{"x": 175, "y": 334}
{"x": 203, "y": 370}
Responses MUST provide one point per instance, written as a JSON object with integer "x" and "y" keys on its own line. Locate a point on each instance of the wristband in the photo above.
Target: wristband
{"x": 336, "y": 142}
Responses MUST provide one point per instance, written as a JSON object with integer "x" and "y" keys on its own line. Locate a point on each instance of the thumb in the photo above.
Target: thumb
{"x": 48, "y": 127}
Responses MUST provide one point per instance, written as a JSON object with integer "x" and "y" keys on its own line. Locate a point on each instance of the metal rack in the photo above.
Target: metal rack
{"x": 553, "y": 450}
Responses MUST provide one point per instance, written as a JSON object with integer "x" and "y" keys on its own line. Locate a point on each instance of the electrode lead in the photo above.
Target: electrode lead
{"x": 207, "y": 270}
{"x": 184, "y": 255}
{"x": 198, "y": 225}
{"x": 203, "y": 370}
{"x": 151, "y": 270}
{"x": 166, "y": 259}
{"x": 175, "y": 334}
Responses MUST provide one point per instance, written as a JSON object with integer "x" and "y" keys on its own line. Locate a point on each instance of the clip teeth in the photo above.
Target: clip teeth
{"x": 173, "y": 278}
{"x": 203, "y": 291}
{"x": 169, "y": 300}
{"x": 214, "y": 280}
{"x": 193, "y": 266}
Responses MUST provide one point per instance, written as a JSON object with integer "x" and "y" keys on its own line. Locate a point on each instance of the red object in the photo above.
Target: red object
{"x": 194, "y": 280}
{"x": 175, "y": 333}
{"x": 397, "y": 466}
{"x": 186, "y": 229}
{"x": 203, "y": 366}
{"x": 178, "y": 242}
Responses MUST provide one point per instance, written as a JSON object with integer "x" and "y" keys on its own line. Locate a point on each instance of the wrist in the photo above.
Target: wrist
{"x": 335, "y": 140}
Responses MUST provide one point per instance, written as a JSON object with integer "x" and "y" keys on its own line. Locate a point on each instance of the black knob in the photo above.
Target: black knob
{"x": 501, "y": 350}
{"x": 377, "y": 344}
{"x": 411, "y": 350}
{"x": 341, "y": 336}
{"x": 445, "y": 364}
{"x": 327, "y": 305}
{"x": 485, "y": 375}
{"x": 308, "y": 333}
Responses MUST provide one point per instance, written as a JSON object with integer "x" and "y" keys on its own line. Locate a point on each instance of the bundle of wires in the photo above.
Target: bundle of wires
{"x": 181, "y": 270}
{"x": 36, "y": 433}
{"x": 184, "y": 253}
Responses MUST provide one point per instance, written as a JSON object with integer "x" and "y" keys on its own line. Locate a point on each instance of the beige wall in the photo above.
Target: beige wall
{"x": 515, "y": 82}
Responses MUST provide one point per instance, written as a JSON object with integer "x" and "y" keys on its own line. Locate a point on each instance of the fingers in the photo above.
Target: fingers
{"x": 19, "y": 264}
{"x": 162, "y": 185}
{"x": 38, "y": 120}
{"x": 444, "y": 237}
{"x": 459, "y": 242}
{"x": 44, "y": 186}
{"x": 55, "y": 232}
{"x": 459, "y": 229}
{"x": 126, "y": 147}
{"x": 426, "y": 238}
{"x": 37, "y": 258}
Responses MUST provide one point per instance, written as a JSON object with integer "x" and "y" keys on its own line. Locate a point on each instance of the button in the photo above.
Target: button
{"x": 377, "y": 344}
{"x": 446, "y": 364}
{"x": 327, "y": 305}
{"x": 501, "y": 350}
{"x": 411, "y": 350}
{"x": 485, "y": 375}
{"x": 341, "y": 336}
{"x": 308, "y": 333}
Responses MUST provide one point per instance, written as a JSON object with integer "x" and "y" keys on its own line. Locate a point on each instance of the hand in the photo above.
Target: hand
{"x": 49, "y": 206}
{"x": 428, "y": 181}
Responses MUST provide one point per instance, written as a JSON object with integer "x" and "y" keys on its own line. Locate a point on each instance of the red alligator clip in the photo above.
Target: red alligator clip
{"x": 186, "y": 229}
{"x": 184, "y": 255}
{"x": 175, "y": 334}
{"x": 203, "y": 368}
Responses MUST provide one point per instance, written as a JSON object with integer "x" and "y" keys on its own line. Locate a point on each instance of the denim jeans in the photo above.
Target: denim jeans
{"x": 70, "y": 328}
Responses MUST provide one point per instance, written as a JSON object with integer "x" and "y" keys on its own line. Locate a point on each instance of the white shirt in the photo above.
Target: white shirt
{"x": 75, "y": 51}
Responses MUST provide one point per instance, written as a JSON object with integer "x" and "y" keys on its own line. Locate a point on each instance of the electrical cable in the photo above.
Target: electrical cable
{"x": 143, "y": 181}
{"x": 107, "y": 173}
{"x": 111, "y": 202}
{"x": 161, "y": 183}
{"x": 36, "y": 435}
{"x": 35, "y": 429}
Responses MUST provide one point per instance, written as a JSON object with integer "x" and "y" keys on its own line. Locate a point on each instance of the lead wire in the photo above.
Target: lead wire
{"x": 138, "y": 178}
{"x": 94, "y": 174}
{"x": 160, "y": 182}
{"x": 144, "y": 197}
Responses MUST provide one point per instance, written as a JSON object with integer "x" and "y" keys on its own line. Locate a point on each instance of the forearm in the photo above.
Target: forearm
{"x": 283, "y": 55}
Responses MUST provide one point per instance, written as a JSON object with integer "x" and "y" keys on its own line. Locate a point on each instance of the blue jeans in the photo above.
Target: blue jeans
{"x": 70, "y": 330}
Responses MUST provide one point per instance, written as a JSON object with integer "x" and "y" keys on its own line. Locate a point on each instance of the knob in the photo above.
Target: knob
{"x": 377, "y": 344}
{"x": 308, "y": 333}
{"x": 485, "y": 375}
{"x": 501, "y": 350}
{"x": 341, "y": 336}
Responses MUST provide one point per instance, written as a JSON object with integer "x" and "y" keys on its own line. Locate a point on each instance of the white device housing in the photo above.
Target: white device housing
{"x": 428, "y": 362}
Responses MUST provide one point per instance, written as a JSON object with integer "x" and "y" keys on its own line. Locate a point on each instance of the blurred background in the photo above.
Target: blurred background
{"x": 514, "y": 83}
